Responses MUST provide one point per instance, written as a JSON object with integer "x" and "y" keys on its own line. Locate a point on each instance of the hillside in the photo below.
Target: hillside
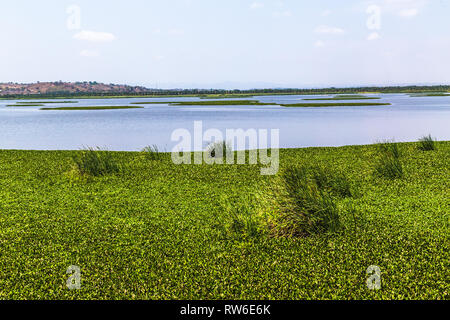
{"x": 63, "y": 89}
{"x": 52, "y": 88}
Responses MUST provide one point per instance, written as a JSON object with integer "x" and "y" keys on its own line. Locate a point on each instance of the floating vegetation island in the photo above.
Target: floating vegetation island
{"x": 431, "y": 94}
{"x": 257, "y": 103}
{"x": 153, "y": 102}
{"x": 93, "y": 108}
{"x": 26, "y": 105}
{"x": 45, "y": 102}
{"x": 348, "y": 104}
{"x": 223, "y": 103}
{"x": 226, "y": 96}
{"x": 346, "y": 97}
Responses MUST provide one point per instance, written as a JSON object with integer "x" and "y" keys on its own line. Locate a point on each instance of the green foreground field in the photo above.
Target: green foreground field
{"x": 155, "y": 230}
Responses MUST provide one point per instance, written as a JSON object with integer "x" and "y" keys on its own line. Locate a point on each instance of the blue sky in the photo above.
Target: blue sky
{"x": 227, "y": 43}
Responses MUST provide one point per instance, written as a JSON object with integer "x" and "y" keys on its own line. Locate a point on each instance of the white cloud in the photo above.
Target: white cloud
{"x": 89, "y": 53}
{"x": 158, "y": 58}
{"x": 409, "y": 12}
{"x": 256, "y": 5}
{"x": 94, "y": 36}
{"x": 280, "y": 14}
{"x": 373, "y": 36}
{"x": 319, "y": 44}
{"x": 170, "y": 32}
{"x": 404, "y": 8}
{"x": 329, "y": 30}
{"x": 176, "y": 32}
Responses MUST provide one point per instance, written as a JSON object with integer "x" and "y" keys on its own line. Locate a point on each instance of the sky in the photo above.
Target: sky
{"x": 227, "y": 44}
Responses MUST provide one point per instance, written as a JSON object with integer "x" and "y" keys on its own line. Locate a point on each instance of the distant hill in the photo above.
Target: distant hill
{"x": 93, "y": 88}
{"x": 61, "y": 88}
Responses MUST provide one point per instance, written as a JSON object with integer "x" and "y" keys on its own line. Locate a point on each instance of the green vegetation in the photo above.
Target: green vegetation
{"x": 93, "y": 108}
{"x": 307, "y": 203}
{"x": 156, "y": 93}
{"x": 222, "y": 103}
{"x": 209, "y": 103}
{"x": 431, "y": 94}
{"x": 427, "y": 143}
{"x": 239, "y": 221}
{"x": 95, "y": 162}
{"x": 226, "y": 96}
{"x": 346, "y": 97}
{"x": 346, "y": 104}
{"x": 45, "y": 102}
{"x": 156, "y": 230}
{"x": 152, "y": 152}
{"x": 25, "y": 105}
{"x": 389, "y": 164}
{"x": 350, "y": 96}
{"x": 37, "y": 103}
{"x": 153, "y": 102}
{"x": 333, "y": 182}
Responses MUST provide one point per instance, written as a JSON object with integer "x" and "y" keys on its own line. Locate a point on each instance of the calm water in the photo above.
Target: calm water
{"x": 406, "y": 120}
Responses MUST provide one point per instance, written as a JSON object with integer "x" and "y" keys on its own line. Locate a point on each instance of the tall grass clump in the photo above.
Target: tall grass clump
{"x": 336, "y": 183}
{"x": 152, "y": 152}
{"x": 427, "y": 143}
{"x": 307, "y": 200}
{"x": 389, "y": 164}
{"x": 243, "y": 220}
{"x": 219, "y": 149}
{"x": 95, "y": 162}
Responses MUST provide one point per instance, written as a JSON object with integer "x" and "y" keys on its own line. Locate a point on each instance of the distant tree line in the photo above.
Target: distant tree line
{"x": 183, "y": 92}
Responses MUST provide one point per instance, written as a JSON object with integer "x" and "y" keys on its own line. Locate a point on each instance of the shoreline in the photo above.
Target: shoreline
{"x": 196, "y": 151}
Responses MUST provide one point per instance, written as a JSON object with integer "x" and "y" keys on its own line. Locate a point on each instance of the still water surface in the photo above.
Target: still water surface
{"x": 132, "y": 129}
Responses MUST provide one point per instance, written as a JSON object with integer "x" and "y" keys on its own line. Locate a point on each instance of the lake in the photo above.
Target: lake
{"x": 407, "y": 119}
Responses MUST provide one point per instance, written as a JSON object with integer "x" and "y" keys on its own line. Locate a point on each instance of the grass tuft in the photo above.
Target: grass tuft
{"x": 95, "y": 162}
{"x": 307, "y": 202}
{"x": 336, "y": 183}
{"x": 152, "y": 152}
{"x": 243, "y": 221}
{"x": 389, "y": 164}
{"x": 427, "y": 143}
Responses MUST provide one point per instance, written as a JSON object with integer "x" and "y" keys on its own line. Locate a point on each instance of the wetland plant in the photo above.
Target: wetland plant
{"x": 427, "y": 143}
{"x": 389, "y": 164}
{"x": 95, "y": 162}
{"x": 152, "y": 152}
{"x": 308, "y": 206}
